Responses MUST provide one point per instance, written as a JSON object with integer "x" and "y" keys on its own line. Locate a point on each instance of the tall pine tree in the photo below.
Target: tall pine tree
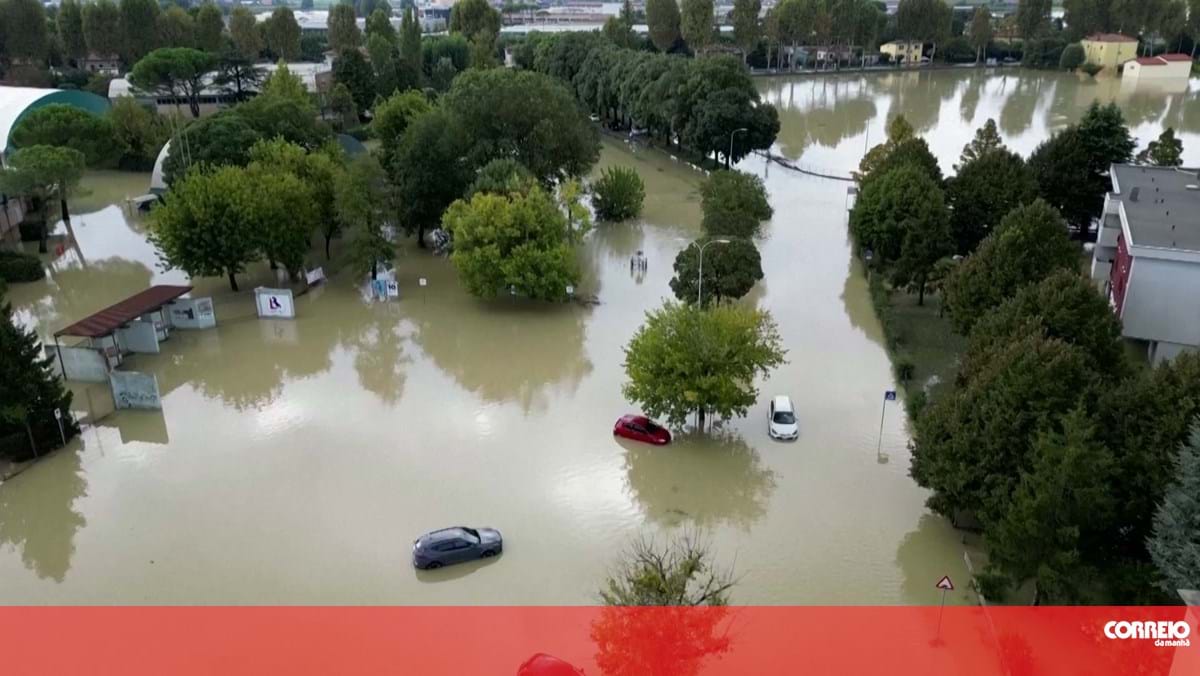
{"x": 29, "y": 393}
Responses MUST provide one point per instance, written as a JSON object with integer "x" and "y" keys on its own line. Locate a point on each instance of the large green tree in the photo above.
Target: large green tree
{"x": 352, "y": 70}
{"x": 282, "y": 34}
{"x": 1060, "y": 165}
{"x": 429, "y": 171}
{"x": 219, "y": 140}
{"x": 471, "y": 17}
{"x": 58, "y": 124}
{"x": 516, "y": 242}
{"x": 175, "y": 71}
{"x": 140, "y": 131}
{"x": 894, "y": 204}
{"x": 243, "y": 30}
{"x": 210, "y": 28}
{"x": 730, "y": 271}
{"x": 747, "y": 29}
{"x": 734, "y": 204}
{"x": 208, "y": 224}
{"x": 176, "y": 28}
{"x": 343, "y": 28}
{"x": 44, "y": 173}
{"x": 410, "y": 45}
{"x": 30, "y": 391}
{"x": 1166, "y": 151}
{"x": 618, "y": 194}
{"x": 696, "y": 23}
{"x": 983, "y": 192}
{"x": 139, "y": 28}
{"x": 392, "y": 118}
{"x": 686, "y": 360}
{"x": 1029, "y": 243}
{"x": 69, "y": 24}
{"x": 102, "y": 28}
{"x": 378, "y": 23}
{"x": 663, "y": 20}
{"x": 979, "y": 34}
{"x": 26, "y": 38}
{"x": 1175, "y": 544}
{"x": 359, "y": 200}
{"x": 1033, "y": 18}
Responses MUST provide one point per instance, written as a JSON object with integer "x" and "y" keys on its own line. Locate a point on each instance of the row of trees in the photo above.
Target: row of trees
{"x": 708, "y": 106}
{"x": 1014, "y": 443}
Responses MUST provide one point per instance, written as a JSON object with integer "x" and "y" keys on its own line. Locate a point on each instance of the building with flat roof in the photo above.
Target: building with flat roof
{"x": 1147, "y": 256}
{"x": 1109, "y": 50}
{"x": 1164, "y": 68}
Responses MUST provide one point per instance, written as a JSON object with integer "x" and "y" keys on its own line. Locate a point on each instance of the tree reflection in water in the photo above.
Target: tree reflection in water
{"x": 706, "y": 479}
{"x": 37, "y": 514}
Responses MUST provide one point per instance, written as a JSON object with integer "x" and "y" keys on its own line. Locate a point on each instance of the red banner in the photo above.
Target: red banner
{"x": 549, "y": 641}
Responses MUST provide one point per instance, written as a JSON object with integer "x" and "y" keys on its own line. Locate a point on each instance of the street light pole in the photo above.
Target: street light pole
{"x": 700, "y": 276}
{"x": 729, "y": 157}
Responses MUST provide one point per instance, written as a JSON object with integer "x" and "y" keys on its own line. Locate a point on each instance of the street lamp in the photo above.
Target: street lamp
{"x": 729, "y": 157}
{"x": 700, "y": 276}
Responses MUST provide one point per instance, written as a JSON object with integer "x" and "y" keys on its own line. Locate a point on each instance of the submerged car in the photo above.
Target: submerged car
{"x": 455, "y": 545}
{"x": 542, "y": 664}
{"x": 781, "y": 419}
{"x": 641, "y": 428}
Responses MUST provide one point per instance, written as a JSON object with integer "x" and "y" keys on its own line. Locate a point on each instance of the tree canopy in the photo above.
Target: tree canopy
{"x": 685, "y": 360}
{"x": 891, "y": 204}
{"x": 1166, "y": 151}
{"x": 730, "y": 271}
{"x": 174, "y": 71}
{"x": 1175, "y": 544}
{"x": 663, "y": 20}
{"x": 30, "y": 392}
{"x": 59, "y": 124}
{"x": 734, "y": 204}
{"x": 983, "y": 192}
{"x": 618, "y": 194}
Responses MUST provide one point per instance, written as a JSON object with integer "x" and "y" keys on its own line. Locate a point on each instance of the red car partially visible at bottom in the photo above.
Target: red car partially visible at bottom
{"x": 542, "y": 664}
{"x": 641, "y": 428}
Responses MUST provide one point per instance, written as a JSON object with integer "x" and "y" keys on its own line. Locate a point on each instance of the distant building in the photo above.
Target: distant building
{"x": 317, "y": 78}
{"x": 1147, "y": 256}
{"x": 99, "y": 63}
{"x": 1166, "y": 68}
{"x": 316, "y": 21}
{"x": 1109, "y": 50}
{"x": 903, "y": 51}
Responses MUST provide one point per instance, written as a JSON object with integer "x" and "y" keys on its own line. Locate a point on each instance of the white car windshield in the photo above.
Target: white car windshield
{"x": 784, "y": 418}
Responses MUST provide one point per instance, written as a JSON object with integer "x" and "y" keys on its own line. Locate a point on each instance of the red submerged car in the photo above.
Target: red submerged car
{"x": 542, "y": 664}
{"x": 641, "y": 428}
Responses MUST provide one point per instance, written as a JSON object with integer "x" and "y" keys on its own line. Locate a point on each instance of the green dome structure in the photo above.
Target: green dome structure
{"x": 17, "y": 102}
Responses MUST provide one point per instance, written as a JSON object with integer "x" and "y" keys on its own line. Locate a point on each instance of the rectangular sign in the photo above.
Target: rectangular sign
{"x": 134, "y": 390}
{"x": 192, "y": 313}
{"x": 274, "y": 302}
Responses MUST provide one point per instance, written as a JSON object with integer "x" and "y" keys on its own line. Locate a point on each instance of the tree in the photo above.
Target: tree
{"x": 343, "y": 28}
{"x": 502, "y": 177}
{"x": 379, "y": 24}
{"x": 987, "y": 139}
{"x": 140, "y": 131}
{"x": 1072, "y": 57}
{"x": 618, "y": 194}
{"x": 1175, "y": 544}
{"x": 452, "y": 47}
{"x": 1167, "y": 151}
{"x": 238, "y": 75}
{"x": 685, "y": 360}
{"x": 913, "y": 152}
{"x": 1033, "y": 18}
{"x": 220, "y": 140}
{"x": 1061, "y": 167}
{"x": 491, "y": 111}
{"x": 442, "y": 75}
{"x": 926, "y": 242}
{"x": 176, "y": 28}
{"x": 1029, "y": 244}
{"x": 139, "y": 28}
{"x": 483, "y": 50}
{"x": 429, "y": 171}
{"x": 31, "y": 43}
{"x": 341, "y": 102}
{"x": 980, "y": 32}
{"x": 1193, "y": 24}
{"x": 243, "y": 30}
{"x": 680, "y": 572}
{"x": 284, "y": 84}
{"x": 282, "y": 34}
{"x": 747, "y": 31}
{"x": 1066, "y": 306}
{"x": 359, "y": 200}
{"x": 393, "y": 116}
{"x": 210, "y": 28}
{"x": 43, "y": 172}
{"x": 662, "y": 18}
{"x": 985, "y": 190}
{"x": 898, "y": 131}
{"x": 618, "y": 32}
{"x": 973, "y": 444}
{"x": 59, "y": 124}
{"x": 102, "y": 28}
{"x": 730, "y": 271}
{"x": 174, "y": 71}
{"x": 410, "y": 45}
{"x": 470, "y": 17}
{"x": 1105, "y": 136}
{"x": 1061, "y": 497}
{"x": 69, "y": 23}
{"x": 516, "y": 241}
{"x": 208, "y": 224}
{"x": 352, "y": 70}
{"x": 894, "y": 204}
{"x": 696, "y": 23}
{"x": 734, "y": 204}
{"x": 1084, "y": 17}
{"x": 30, "y": 390}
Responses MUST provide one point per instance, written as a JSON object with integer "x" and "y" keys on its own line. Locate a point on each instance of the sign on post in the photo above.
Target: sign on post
{"x": 57, "y": 414}
{"x": 274, "y": 302}
{"x": 422, "y": 282}
{"x": 945, "y": 584}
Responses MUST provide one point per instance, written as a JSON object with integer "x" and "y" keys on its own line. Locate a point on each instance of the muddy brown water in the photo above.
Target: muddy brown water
{"x": 295, "y": 461}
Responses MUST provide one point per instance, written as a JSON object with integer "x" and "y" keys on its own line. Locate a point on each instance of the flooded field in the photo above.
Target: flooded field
{"x": 295, "y": 461}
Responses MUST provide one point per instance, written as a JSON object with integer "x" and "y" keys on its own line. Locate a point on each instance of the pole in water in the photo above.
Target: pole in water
{"x": 945, "y": 585}
{"x": 888, "y": 395}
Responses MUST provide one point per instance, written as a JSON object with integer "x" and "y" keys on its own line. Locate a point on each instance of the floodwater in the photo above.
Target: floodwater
{"x": 294, "y": 461}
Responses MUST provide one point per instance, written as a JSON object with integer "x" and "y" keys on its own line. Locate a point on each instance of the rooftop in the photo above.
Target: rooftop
{"x": 115, "y": 316}
{"x": 1109, "y": 37}
{"x": 1162, "y": 59}
{"x": 1162, "y": 205}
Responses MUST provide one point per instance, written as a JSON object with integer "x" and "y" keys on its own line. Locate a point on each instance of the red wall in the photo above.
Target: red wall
{"x": 1118, "y": 276}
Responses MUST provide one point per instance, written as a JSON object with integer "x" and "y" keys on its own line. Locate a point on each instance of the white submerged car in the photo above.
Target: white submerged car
{"x": 781, "y": 419}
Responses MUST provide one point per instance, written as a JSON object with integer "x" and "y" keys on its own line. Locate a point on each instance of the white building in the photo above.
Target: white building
{"x": 1166, "y": 68}
{"x": 315, "y": 77}
{"x": 1147, "y": 256}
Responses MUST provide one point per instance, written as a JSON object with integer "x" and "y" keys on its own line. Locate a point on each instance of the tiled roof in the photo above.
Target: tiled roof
{"x": 1109, "y": 37}
{"x": 115, "y": 316}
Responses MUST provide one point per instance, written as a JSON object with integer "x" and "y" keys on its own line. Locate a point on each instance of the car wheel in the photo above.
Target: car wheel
{"x": 487, "y": 554}
{"x": 433, "y": 565}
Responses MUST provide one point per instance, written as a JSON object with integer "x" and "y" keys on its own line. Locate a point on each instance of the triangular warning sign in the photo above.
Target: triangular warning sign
{"x": 945, "y": 583}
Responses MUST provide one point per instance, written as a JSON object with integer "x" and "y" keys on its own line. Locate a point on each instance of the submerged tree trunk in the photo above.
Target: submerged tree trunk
{"x": 43, "y": 243}
{"x": 374, "y": 270}
{"x": 233, "y": 281}
{"x": 328, "y": 237}
{"x": 421, "y": 236}
{"x": 921, "y": 292}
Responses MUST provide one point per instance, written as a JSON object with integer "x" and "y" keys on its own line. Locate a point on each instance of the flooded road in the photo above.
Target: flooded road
{"x": 295, "y": 461}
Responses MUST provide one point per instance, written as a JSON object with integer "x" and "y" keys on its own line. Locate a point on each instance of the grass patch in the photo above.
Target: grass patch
{"x": 923, "y": 345}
